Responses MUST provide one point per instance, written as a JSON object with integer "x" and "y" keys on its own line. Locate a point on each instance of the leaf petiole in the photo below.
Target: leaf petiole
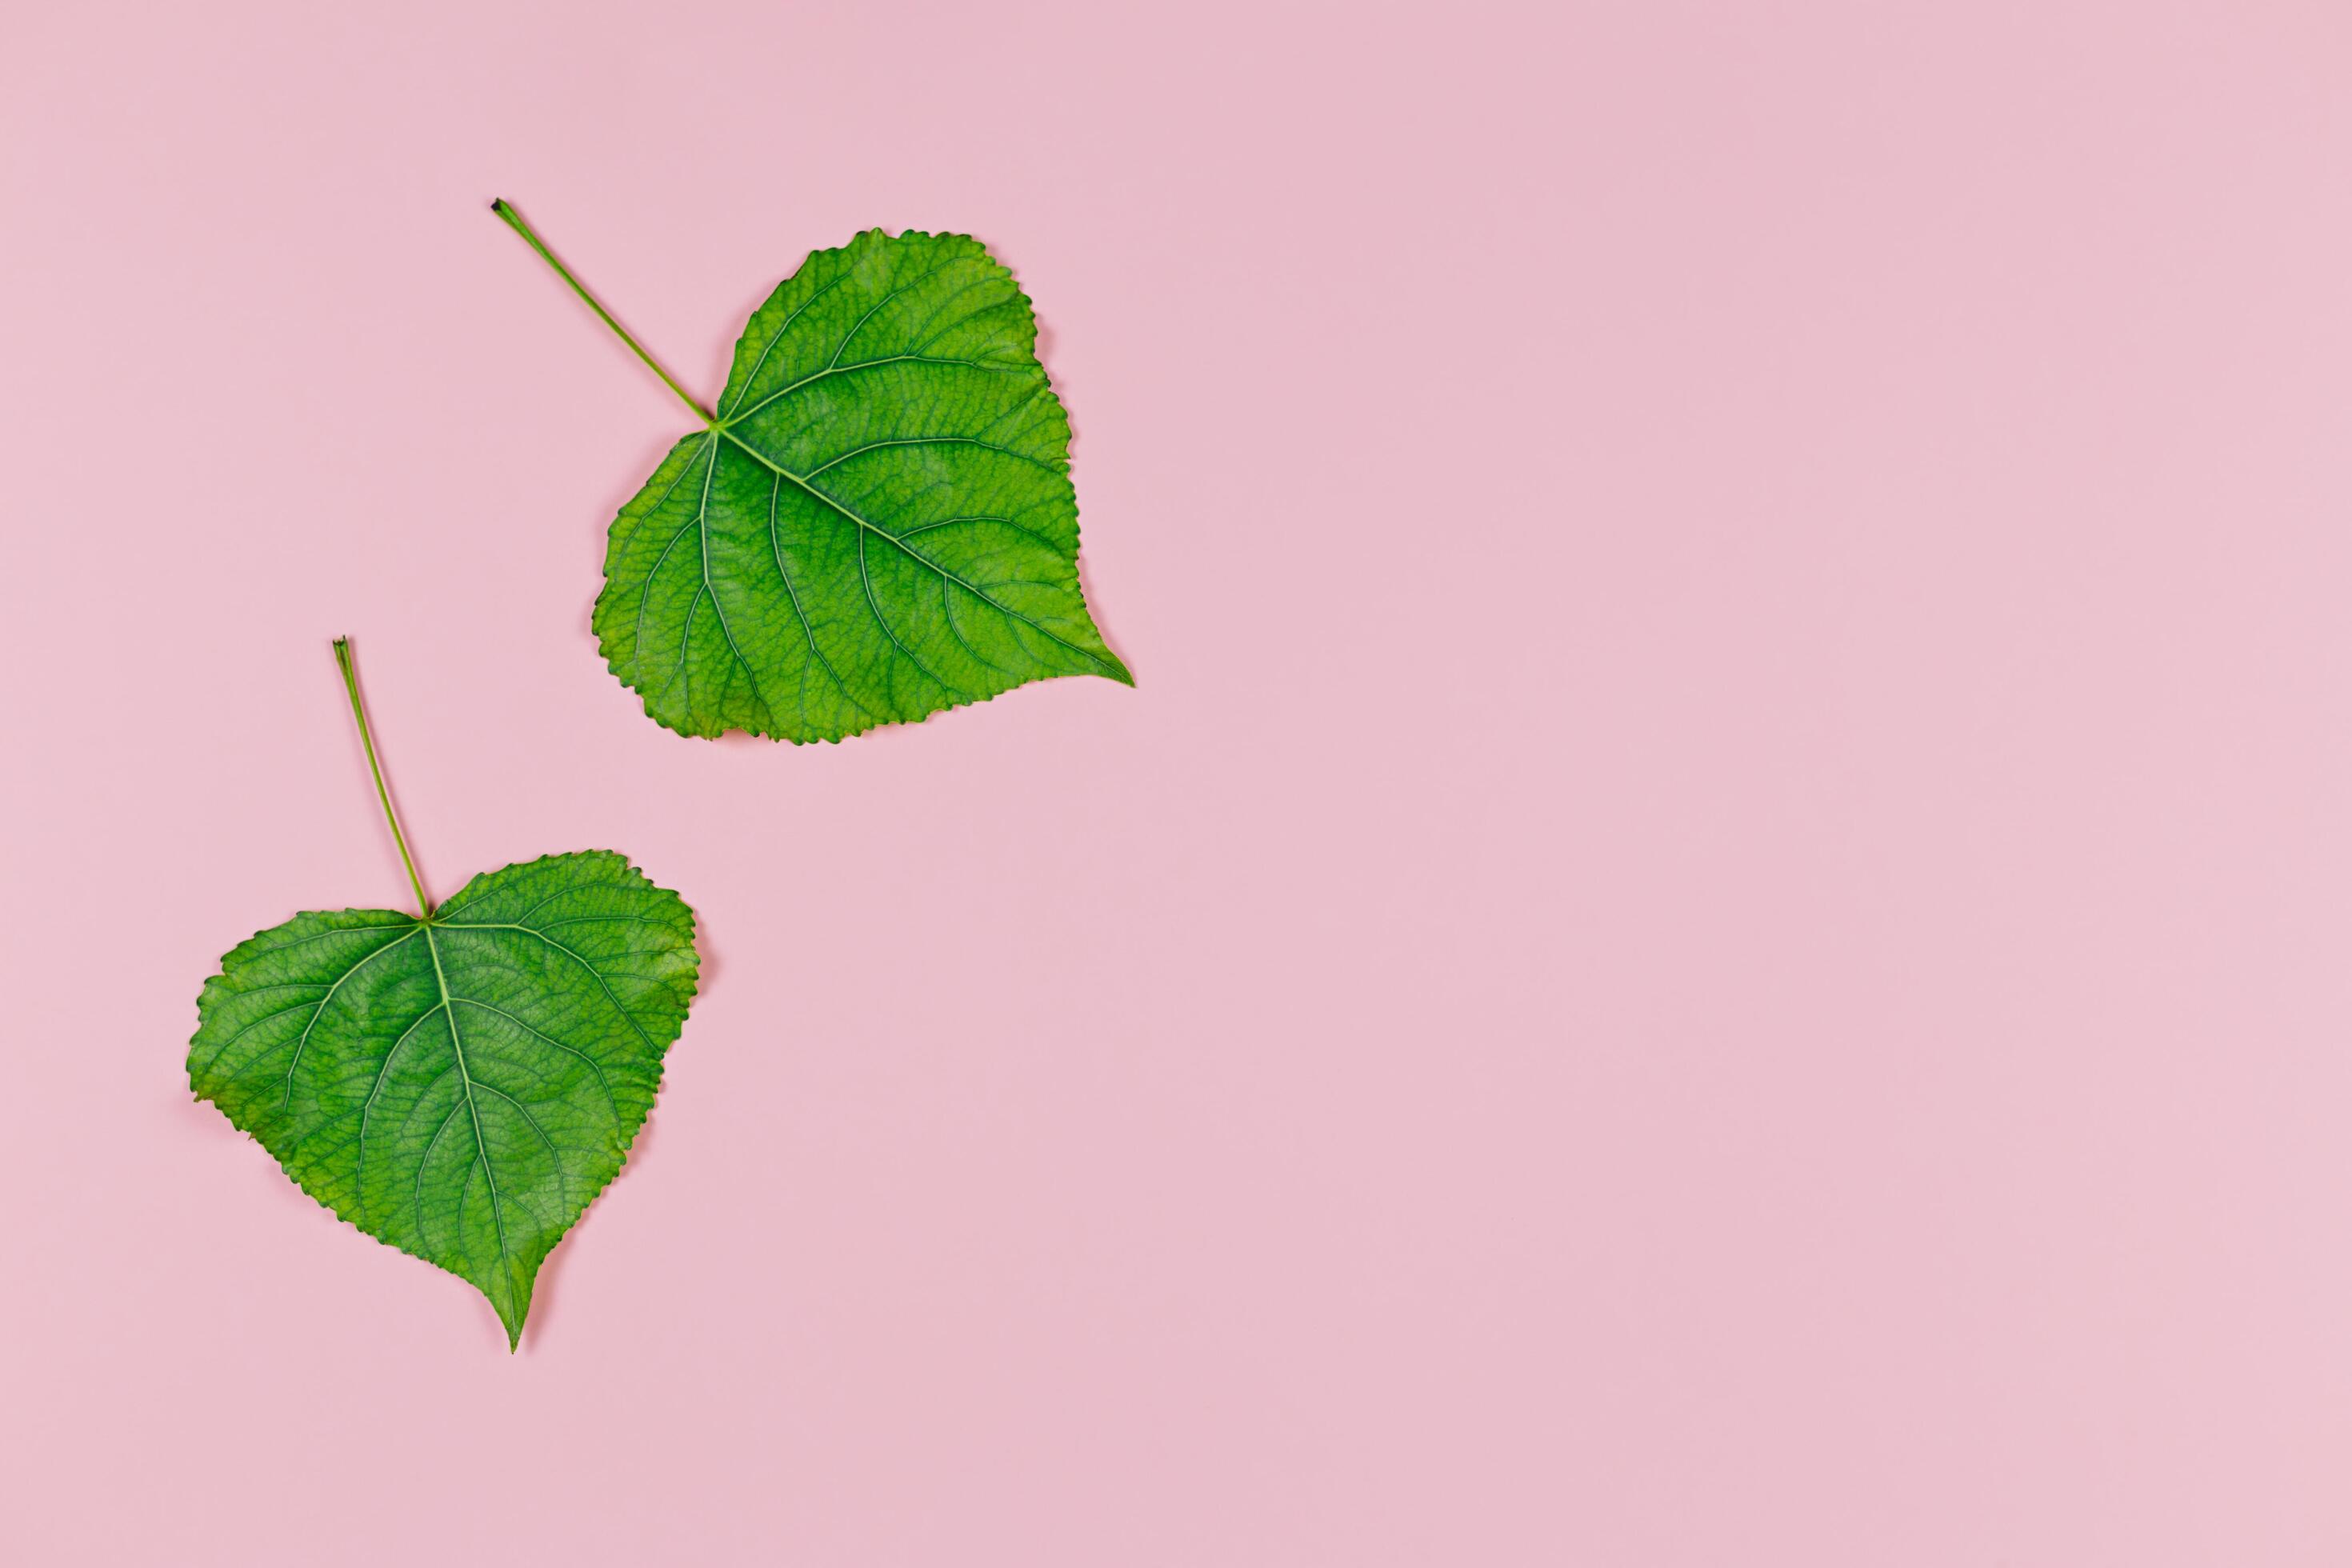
{"x": 514, "y": 220}
{"x": 359, "y": 713}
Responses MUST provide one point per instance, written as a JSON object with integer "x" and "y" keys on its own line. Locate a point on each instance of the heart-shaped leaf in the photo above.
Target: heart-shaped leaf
{"x": 460, "y": 1085}
{"x": 875, "y": 523}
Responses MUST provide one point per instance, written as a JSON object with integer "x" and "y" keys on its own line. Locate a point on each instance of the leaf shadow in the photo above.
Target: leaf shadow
{"x": 1060, "y": 384}
{"x": 1101, "y": 621}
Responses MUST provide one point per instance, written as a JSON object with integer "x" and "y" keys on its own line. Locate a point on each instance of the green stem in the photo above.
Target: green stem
{"x": 514, "y": 220}
{"x": 359, "y": 711}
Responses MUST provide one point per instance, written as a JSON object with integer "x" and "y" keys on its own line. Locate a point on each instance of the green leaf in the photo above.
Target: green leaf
{"x": 875, "y": 523}
{"x": 461, "y": 1084}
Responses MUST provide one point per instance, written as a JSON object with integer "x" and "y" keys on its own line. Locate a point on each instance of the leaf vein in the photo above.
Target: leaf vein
{"x": 288, "y": 1096}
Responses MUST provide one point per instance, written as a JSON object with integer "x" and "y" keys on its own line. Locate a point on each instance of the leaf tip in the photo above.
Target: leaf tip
{"x": 510, "y": 1318}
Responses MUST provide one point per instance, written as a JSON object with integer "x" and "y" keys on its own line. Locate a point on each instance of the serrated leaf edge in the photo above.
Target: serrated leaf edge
{"x": 694, "y": 988}
{"x": 1077, "y": 533}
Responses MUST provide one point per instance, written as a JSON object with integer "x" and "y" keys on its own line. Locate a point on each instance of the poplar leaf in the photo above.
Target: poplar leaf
{"x": 459, "y": 1084}
{"x": 874, "y": 522}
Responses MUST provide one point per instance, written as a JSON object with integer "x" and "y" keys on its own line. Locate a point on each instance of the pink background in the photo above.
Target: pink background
{"x": 1716, "y": 935}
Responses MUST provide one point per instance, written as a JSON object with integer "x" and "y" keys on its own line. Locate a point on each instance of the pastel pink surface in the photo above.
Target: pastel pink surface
{"x": 1715, "y": 933}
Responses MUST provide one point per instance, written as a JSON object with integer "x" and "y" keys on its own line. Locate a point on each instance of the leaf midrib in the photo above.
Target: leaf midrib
{"x": 702, "y": 522}
{"x": 473, "y": 1113}
{"x": 447, "y": 1007}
